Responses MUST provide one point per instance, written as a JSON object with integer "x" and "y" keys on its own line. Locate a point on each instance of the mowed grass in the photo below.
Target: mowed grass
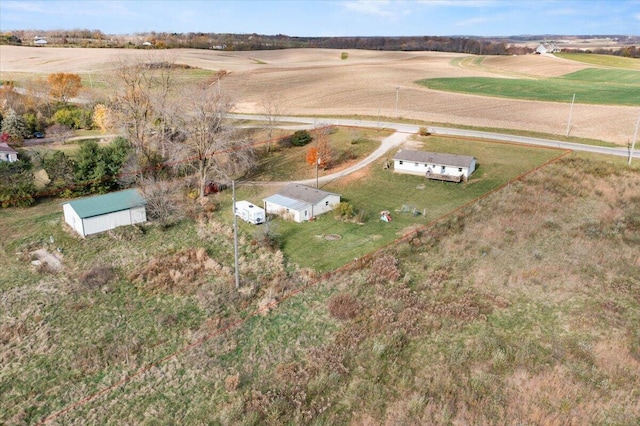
{"x": 411, "y": 200}
{"x": 593, "y": 86}
{"x": 289, "y": 163}
{"x": 602, "y": 60}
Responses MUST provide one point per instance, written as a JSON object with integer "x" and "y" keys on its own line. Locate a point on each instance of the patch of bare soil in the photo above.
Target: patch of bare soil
{"x": 50, "y": 261}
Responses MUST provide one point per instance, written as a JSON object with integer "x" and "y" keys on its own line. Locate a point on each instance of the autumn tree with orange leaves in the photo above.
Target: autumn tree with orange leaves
{"x": 64, "y": 86}
{"x": 312, "y": 156}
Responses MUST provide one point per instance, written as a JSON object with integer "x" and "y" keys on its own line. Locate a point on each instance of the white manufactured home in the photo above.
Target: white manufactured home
{"x": 300, "y": 202}
{"x": 250, "y": 212}
{"x": 101, "y": 213}
{"x": 434, "y": 165}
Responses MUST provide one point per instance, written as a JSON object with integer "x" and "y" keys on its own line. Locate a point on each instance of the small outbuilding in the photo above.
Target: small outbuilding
{"x": 300, "y": 202}
{"x": 7, "y": 153}
{"x": 434, "y": 165}
{"x": 101, "y": 213}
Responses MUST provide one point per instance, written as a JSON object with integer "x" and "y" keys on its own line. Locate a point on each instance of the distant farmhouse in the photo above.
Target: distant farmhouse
{"x": 300, "y": 202}
{"x": 102, "y": 213}
{"x": 7, "y": 153}
{"x": 39, "y": 41}
{"x": 546, "y": 48}
{"x": 434, "y": 165}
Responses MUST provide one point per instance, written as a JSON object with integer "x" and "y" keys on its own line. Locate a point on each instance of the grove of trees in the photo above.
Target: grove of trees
{"x": 174, "y": 135}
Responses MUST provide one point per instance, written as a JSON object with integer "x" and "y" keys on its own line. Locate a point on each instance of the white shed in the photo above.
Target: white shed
{"x": 434, "y": 165}
{"x": 300, "y": 202}
{"x": 104, "y": 212}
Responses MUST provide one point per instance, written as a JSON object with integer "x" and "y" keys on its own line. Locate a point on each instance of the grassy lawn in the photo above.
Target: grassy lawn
{"x": 347, "y": 144}
{"x": 412, "y": 201}
{"x": 590, "y": 87}
{"x": 602, "y": 60}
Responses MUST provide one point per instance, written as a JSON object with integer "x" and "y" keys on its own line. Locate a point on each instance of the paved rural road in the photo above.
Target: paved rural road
{"x": 403, "y": 131}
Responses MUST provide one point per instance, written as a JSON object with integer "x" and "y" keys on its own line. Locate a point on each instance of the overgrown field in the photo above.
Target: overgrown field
{"x": 591, "y": 86}
{"x": 520, "y": 309}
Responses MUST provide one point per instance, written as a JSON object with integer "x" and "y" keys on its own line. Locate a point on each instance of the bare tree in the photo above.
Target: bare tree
{"x": 211, "y": 146}
{"x": 163, "y": 201}
{"x": 59, "y": 132}
{"x": 271, "y": 108}
{"x": 142, "y": 103}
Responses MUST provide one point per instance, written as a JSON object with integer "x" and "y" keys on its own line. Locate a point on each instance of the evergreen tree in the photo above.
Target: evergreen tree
{"x": 14, "y": 125}
{"x": 60, "y": 170}
{"x": 17, "y": 188}
{"x": 97, "y": 168}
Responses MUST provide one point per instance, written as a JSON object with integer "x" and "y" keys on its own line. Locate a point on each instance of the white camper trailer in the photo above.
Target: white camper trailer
{"x": 250, "y": 212}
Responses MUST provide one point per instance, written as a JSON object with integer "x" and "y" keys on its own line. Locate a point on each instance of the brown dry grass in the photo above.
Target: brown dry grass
{"x": 318, "y": 82}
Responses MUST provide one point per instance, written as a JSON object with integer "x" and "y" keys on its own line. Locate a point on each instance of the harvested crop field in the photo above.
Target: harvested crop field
{"x": 319, "y": 82}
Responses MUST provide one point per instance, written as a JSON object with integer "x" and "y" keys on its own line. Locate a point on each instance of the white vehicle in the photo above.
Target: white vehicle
{"x": 250, "y": 212}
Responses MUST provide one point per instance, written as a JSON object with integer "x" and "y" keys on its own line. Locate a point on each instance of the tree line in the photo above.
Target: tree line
{"x": 244, "y": 42}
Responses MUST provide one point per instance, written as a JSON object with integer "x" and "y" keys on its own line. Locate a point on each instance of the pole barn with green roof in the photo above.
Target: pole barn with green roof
{"x": 102, "y": 213}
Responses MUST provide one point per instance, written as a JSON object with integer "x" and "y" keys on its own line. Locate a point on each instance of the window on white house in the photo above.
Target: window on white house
{"x": 400, "y": 162}
{"x": 459, "y": 169}
{"x": 326, "y": 203}
{"x": 416, "y": 164}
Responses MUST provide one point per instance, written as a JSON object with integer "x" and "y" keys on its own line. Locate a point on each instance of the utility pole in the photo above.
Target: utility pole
{"x": 317, "y": 166}
{"x": 635, "y": 135}
{"x": 397, "y": 95}
{"x": 235, "y": 233}
{"x": 570, "y": 111}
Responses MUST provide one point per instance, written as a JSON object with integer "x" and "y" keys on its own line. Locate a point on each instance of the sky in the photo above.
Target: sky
{"x": 329, "y": 18}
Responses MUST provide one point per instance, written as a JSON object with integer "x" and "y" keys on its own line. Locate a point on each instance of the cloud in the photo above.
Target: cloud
{"x": 25, "y": 6}
{"x": 459, "y": 3}
{"x": 371, "y": 7}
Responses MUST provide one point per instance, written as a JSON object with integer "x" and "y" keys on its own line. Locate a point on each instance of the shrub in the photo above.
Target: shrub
{"x": 343, "y": 306}
{"x": 345, "y": 210}
{"x": 424, "y": 131}
{"x": 300, "y": 138}
{"x": 385, "y": 266}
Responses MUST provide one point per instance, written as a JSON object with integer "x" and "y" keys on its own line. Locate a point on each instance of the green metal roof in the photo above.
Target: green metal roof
{"x": 108, "y": 203}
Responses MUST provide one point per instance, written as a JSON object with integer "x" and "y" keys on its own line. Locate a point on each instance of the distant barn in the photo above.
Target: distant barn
{"x": 101, "y": 213}
{"x": 434, "y": 165}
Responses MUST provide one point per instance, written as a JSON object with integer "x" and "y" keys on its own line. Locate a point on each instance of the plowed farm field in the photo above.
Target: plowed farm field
{"x": 367, "y": 83}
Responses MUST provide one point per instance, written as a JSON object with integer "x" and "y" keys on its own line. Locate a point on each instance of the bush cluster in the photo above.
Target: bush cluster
{"x": 343, "y": 306}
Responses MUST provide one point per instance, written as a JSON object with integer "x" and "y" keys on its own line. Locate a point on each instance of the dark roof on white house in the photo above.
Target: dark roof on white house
{"x": 304, "y": 193}
{"x": 108, "y": 203}
{"x": 437, "y": 158}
